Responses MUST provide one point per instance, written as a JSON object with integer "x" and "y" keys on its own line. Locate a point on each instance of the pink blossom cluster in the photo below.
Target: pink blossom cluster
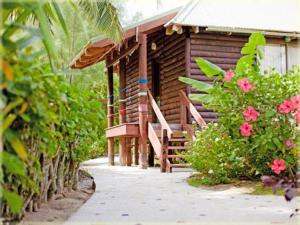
{"x": 278, "y": 166}
{"x": 291, "y": 105}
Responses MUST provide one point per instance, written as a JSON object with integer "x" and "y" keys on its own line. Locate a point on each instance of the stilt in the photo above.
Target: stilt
{"x": 136, "y": 151}
{"x": 143, "y": 99}
{"x": 110, "y": 114}
{"x": 151, "y": 156}
{"x": 128, "y": 152}
{"x": 122, "y": 110}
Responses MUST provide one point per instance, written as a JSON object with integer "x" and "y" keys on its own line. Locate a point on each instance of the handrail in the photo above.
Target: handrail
{"x": 185, "y": 101}
{"x": 159, "y": 115}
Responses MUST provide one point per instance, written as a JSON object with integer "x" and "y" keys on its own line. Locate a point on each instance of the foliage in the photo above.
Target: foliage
{"x": 47, "y": 125}
{"x": 251, "y": 131}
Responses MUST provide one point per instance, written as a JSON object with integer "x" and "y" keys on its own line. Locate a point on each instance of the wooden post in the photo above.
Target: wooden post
{"x": 122, "y": 110}
{"x": 110, "y": 112}
{"x": 164, "y": 150}
{"x": 136, "y": 151}
{"x": 187, "y": 72}
{"x": 128, "y": 152}
{"x": 143, "y": 99}
{"x": 183, "y": 113}
{"x": 151, "y": 156}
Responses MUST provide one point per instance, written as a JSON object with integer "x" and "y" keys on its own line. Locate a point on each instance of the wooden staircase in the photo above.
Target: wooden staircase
{"x": 171, "y": 141}
{"x": 176, "y": 146}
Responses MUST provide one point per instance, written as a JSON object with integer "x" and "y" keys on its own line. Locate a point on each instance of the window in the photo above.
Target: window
{"x": 293, "y": 56}
{"x": 280, "y": 57}
{"x": 274, "y": 57}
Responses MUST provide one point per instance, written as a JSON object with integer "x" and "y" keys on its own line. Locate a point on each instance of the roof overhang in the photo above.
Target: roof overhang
{"x": 98, "y": 48}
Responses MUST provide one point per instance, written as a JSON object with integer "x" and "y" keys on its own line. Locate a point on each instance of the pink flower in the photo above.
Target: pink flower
{"x": 245, "y": 85}
{"x": 251, "y": 114}
{"x": 228, "y": 76}
{"x": 295, "y": 100}
{"x": 278, "y": 166}
{"x": 285, "y": 107}
{"x": 289, "y": 143}
{"x": 246, "y": 129}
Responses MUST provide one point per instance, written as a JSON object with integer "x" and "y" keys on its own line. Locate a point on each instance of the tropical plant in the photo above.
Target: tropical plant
{"x": 47, "y": 126}
{"x": 257, "y": 117}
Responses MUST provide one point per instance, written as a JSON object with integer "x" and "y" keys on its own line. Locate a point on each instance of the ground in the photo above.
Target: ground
{"x": 130, "y": 195}
{"x": 58, "y": 210}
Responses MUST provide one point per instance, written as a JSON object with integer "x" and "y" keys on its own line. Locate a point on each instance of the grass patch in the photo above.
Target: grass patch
{"x": 255, "y": 187}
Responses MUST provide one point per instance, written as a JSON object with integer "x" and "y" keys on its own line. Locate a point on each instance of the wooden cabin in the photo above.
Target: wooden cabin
{"x": 154, "y": 114}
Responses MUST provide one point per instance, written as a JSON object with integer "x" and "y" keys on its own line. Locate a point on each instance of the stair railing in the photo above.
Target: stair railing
{"x": 164, "y": 124}
{"x": 160, "y": 146}
{"x": 187, "y": 106}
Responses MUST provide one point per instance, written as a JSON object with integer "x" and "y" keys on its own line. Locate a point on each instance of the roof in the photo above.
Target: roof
{"x": 265, "y": 15}
{"x": 97, "y": 48}
{"x": 279, "y": 17}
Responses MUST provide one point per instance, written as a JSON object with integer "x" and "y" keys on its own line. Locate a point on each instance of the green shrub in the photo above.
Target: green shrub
{"x": 256, "y": 118}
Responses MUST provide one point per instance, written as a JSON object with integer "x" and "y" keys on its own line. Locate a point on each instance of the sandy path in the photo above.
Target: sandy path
{"x": 129, "y": 195}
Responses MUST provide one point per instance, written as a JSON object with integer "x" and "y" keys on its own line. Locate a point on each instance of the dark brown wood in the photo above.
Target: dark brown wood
{"x": 110, "y": 116}
{"x": 128, "y": 152}
{"x": 122, "y": 110}
{"x": 123, "y": 54}
{"x": 136, "y": 151}
{"x": 143, "y": 99}
{"x": 164, "y": 150}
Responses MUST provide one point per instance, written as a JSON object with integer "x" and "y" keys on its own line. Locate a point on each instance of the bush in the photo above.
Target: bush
{"x": 257, "y": 120}
{"x": 215, "y": 156}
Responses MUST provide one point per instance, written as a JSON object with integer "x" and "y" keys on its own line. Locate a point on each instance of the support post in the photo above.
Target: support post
{"x": 110, "y": 112}
{"x": 122, "y": 110}
{"x": 164, "y": 150}
{"x": 128, "y": 152}
{"x": 143, "y": 99}
{"x": 136, "y": 151}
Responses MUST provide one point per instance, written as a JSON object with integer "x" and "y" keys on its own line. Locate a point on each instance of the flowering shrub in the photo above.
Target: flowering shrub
{"x": 258, "y": 115}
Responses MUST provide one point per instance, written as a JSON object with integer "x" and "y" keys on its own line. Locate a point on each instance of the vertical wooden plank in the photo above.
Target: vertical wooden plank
{"x": 128, "y": 152}
{"x": 122, "y": 110}
{"x": 110, "y": 112}
{"x": 164, "y": 150}
{"x": 143, "y": 99}
{"x": 151, "y": 156}
{"x": 184, "y": 116}
{"x": 136, "y": 151}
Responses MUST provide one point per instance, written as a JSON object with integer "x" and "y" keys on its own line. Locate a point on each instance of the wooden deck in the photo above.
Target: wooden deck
{"x": 123, "y": 130}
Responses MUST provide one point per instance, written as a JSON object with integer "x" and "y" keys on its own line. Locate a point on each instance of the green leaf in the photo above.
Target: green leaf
{"x": 13, "y": 164}
{"x": 7, "y": 122}
{"x": 60, "y": 18}
{"x": 204, "y": 98}
{"x": 14, "y": 201}
{"x": 208, "y": 68}
{"x": 199, "y": 85}
{"x": 16, "y": 144}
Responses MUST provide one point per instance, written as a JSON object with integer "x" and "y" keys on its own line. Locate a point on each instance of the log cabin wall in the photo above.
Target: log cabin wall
{"x": 170, "y": 54}
{"x": 132, "y": 88}
{"x": 220, "y": 49}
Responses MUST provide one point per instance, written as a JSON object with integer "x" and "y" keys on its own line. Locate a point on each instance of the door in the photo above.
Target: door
{"x": 156, "y": 81}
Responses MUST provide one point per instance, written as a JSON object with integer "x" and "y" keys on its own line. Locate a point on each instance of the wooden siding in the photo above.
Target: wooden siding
{"x": 220, "y": 49}
{"x": 170, "y": 54}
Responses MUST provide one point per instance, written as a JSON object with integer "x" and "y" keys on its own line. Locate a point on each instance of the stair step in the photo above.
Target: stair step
{"x": 179, "y": 165}
{"x": 179, "y": 139}
{"x": 178, "y": 147}
{"x": 176, "y": 156}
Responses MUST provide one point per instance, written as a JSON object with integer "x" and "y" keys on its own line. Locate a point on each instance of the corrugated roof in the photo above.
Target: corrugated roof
{"x": 266, "y": 15}
{"x": 280, "y": 16}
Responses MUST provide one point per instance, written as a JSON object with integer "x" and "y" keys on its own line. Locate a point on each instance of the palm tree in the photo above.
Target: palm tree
{"x": 30, "y": 24}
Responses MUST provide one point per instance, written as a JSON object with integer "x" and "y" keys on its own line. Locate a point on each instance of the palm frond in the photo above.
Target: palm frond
{"x": 105, "y": 15}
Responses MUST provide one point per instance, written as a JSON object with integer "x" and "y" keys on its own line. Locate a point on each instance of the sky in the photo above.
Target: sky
{"x": 149, "y": 8}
